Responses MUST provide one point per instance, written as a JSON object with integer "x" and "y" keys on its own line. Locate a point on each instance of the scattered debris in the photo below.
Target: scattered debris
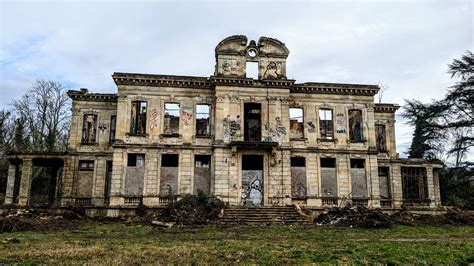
{"x": 35, "y": 220}
{"x": 162, "y": 224}
{"x": 11, "y": 240}
{"x": 354, "y": 217}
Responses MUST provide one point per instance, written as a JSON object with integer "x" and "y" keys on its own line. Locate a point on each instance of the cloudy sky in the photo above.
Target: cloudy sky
{"x": 403, "y": 44}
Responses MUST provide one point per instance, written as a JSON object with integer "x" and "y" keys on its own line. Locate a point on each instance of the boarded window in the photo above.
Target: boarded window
{"x": 355, "y": 125}
{"x": 298, "y": 177}
{"x": 326, "y": 124}
{"x": 169, "y": 175}
{"x": 358, "y": 178}
{"x": 414, "y": 183}
{"x": 171, "y": 119}
{"x": 89, "y": 129}
{"x": 203, "y": 121}
{"x": 328, "y": 177}
{"x": 252, "y": 180}
{"x": 86, "y": 165}
{"x": 136, "y": 160}
{"x": 384, "y": 183}
{"x": 138, "y": 118}
{"x": 296, "y": 123}
{"x": 202, "y": 173}
{"x": 108, "y": 179}
{"x": 135, "y": 175}
{"x": 84, "y": 179}
{"x": 113, "y": 126}
{"x": 380, "y": 138}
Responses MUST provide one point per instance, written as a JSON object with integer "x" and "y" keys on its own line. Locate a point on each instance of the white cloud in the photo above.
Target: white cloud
{"x": 406, "y": 45}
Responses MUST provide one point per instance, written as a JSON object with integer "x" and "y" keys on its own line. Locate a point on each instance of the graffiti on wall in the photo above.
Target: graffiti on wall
{"x": 154, "y": 119}
{"x": 187, "y": 114}
{"x": 311, "y": 126}
{"x": 340, "y": 124}
{"x": 252, "y": 185}
{"x": 231, "y": 128}
{"x": 274, "y": 132}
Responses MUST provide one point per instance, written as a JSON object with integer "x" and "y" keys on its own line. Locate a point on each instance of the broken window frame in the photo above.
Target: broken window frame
{"x": 414, "y": 183}
{"x": 381, "y": 137}
{"x": 326, "y": 126}
{"x": 138, "y": 117}
{"x": 170, "y": 160}
{"x": 88, "y": 129}
{"x": 200, "y": 119}
{"x": 136, "y": 160}
{"x": 168, "y": 130}
{"x": 298, "y": 131}
{"x": 113, "y": 128}
{"x": 86, "y": 165}
{"x": 353, "y": 135}
{"x": 252, "y": 121}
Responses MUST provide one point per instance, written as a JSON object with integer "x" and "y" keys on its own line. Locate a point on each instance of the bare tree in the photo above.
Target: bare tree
{"x": 383, "y": 87}
{"x": 44, "y": 112}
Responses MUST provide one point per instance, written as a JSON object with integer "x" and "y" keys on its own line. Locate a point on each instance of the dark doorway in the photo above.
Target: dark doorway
{"x": 252, "y": 122}
{"x": 252, "y": 180}
{"x": 108, "y": 181}
{"x": 44, "y": 179}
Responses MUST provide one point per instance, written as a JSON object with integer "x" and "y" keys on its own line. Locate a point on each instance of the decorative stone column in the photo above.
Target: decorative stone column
{"x": 10, "y": 183}
{"x": 25, "y": 182}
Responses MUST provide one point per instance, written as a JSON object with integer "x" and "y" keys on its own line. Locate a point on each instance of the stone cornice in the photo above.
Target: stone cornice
{"x": 335, "y": 88}
{"x": 84, "y": 95}
{"x": 161, "y": 80}
{"x": 386, "y": 108}
{"x": 249, "y": 82}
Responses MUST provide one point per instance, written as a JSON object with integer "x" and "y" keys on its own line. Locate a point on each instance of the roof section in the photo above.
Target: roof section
{"x": 84, "y": 95}
{"x": 161, "y": 80}
{"x": 335, "y": 88}
{"x": 386, "y": 108}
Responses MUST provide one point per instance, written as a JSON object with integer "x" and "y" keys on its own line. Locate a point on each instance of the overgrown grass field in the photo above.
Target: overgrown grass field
{"x": 113, "y": 243}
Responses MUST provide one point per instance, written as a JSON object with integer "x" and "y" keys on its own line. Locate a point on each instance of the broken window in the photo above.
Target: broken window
{"x": 326, "y": 123}
{"x": 252, "y": 70}
{"x": 296, "y": 123}
{"x": 328, "y": 177}
{"x": 86, "y": 165}
{"x": 414, "y": 183}
{"x": 89, "y": 129}
{"x": 107, "y": 181}
{"x": 358, "y": 178}
{"x": 252, "y": 122}
{"x": 113, "y": 126}
{"x": 202, "y": 173}
{"x": 355, "y": 125}
{"x": 203, "y": 122}
{"x": 171, "y": 119}
{"x": 384, "y": 183}
{"x": 169, "y": 175}
{"x": 298, "y": 177}
{"x": 380, "y": 137}
{"x": 138, "y": 118}
{"x": 136, "y": 160}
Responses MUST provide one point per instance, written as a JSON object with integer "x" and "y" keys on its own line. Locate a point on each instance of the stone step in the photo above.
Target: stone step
{"x": 262, "y": 215}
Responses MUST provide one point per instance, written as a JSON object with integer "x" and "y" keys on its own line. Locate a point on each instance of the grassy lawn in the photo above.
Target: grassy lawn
{"x": 118, "y": 243}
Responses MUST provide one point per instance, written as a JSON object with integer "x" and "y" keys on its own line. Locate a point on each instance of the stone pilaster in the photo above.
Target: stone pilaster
{"x": 396, "y": 185}
{"x": 10, "y": 183}
{"x": 25, "y": 182}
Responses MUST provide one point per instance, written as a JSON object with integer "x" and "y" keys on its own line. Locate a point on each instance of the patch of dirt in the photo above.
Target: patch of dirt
{"x": 32, "y": 220}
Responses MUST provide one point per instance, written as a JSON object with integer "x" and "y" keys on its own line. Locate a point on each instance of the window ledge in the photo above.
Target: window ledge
{"x": 174, "y": 135}
{"x": 357, "y": 141}
{"x": 326, "y": 140}
{"x": 203, "y": 136}
{"x": 136, "y": 135}
{"x": 89, "y": 144}
{"x": 299, "y": 139}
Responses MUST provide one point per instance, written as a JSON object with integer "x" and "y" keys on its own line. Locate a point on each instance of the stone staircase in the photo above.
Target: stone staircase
{"x": 262, "y": 215}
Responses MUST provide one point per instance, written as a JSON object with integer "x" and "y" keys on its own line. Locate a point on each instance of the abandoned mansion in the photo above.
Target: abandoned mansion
{"x": 261, "y": 141}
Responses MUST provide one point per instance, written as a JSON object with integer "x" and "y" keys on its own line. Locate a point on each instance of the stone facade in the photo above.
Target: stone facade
{"x": 254, "y": 142}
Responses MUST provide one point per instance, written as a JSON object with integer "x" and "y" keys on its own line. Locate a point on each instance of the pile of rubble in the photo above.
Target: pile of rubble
{"x": 354, "y": 217}
{"x": 34, "y": 220}
{"x": 372, "y": 218}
